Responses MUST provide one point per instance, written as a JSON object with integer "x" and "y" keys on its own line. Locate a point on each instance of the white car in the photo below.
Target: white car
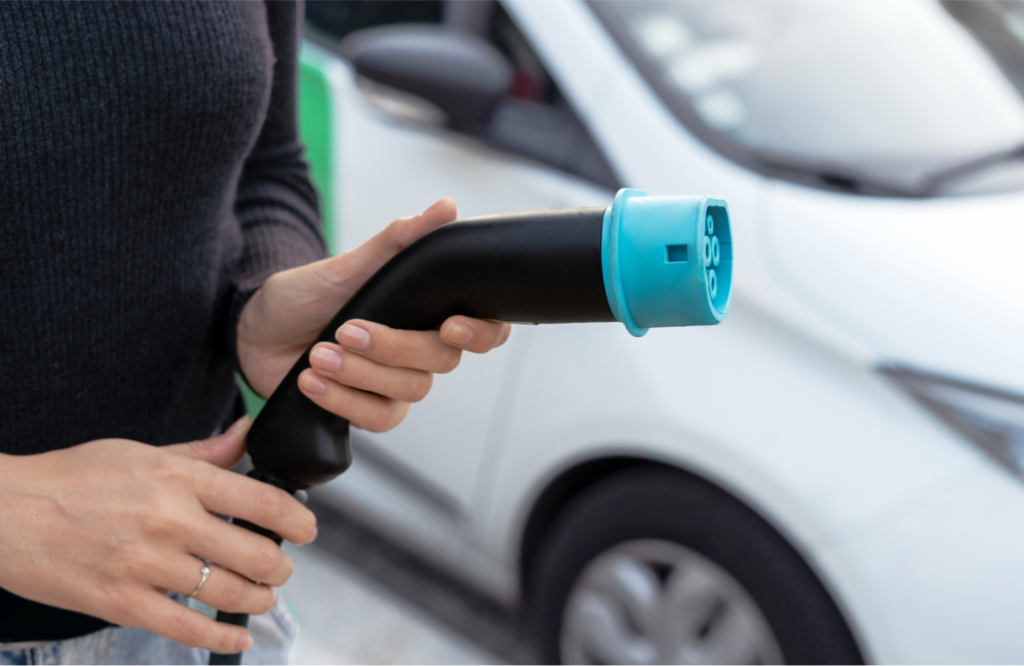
{"x": 833, "y": 474}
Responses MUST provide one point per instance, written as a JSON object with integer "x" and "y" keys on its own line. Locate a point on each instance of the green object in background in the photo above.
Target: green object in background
{"x": 316, "y": 131}
{"x": 253, "y": 402}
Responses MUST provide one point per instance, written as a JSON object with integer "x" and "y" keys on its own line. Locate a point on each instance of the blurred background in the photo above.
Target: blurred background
{"x": 833, "y": 475}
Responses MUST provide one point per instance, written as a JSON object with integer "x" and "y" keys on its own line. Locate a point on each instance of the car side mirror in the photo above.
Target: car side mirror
{"x": 460, "y": 74}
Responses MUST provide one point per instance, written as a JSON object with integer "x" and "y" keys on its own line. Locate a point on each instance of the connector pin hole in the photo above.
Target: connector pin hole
{"x": 712, "y": 284}
{"x": 711, "y": 224}
{"x": 707, "y": 252}
{"x": 716, "y": 251}
{"x": 676, "y": 253}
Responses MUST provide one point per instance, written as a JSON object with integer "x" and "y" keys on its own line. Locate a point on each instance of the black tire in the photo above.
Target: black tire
{"x": 649, "y": 502}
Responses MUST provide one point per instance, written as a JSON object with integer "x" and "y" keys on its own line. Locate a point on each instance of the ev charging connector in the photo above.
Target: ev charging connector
{"x": 645, "y": 261}
{"x": 667, "y": 261}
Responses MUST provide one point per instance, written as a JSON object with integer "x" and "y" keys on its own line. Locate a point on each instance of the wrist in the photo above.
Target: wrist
{"x": 246, "y": 331}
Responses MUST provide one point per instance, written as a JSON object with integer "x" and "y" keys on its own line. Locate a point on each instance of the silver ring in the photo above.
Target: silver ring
{"x": 205, "y": 571}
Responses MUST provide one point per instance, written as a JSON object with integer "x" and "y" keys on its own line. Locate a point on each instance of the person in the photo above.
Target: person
{"x": 160, "y": 234}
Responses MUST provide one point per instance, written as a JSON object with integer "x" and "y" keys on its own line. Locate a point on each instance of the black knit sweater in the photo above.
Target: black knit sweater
{"x": 151, "y": 178}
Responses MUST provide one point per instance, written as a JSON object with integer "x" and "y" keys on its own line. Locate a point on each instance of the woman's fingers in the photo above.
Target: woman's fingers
{"x": 475, "y": 335}
{"x": 259, "y": 503}
{"x": 254, "y": 556}
{"x": 363, "y": 410}
{"x": 160, "y": 614}
{"x": 428, "y": 351}
{"x": 334, "y": 363}
{"x": 223, "y": 451}
{"x": 224, "y": 590}
{"x": 376, "y": 371}
{"x": 417, "y": 350}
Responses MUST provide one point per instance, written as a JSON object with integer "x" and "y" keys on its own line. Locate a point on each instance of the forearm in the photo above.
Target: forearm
{"x": 276, "y": 206}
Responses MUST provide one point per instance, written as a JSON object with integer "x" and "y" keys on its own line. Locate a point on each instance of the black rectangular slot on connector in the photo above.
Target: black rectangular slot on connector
{"x": 675, "y": 253}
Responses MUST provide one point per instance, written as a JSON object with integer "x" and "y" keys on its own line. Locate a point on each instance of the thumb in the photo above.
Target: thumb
{"x": 304, "y": 298}
{"x": 223, "y": 450}
{"x": 404, "y": 231}
{"x": 354, "y": 267}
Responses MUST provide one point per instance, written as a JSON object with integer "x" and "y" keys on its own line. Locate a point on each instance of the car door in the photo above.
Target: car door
{"x": 419, "y": 481}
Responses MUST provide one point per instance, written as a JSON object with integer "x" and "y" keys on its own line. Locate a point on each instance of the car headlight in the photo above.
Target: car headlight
{"x": 988, "y": 417}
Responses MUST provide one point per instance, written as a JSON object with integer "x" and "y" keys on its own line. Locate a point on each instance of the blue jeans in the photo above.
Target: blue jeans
{"x": 273, "y": 634}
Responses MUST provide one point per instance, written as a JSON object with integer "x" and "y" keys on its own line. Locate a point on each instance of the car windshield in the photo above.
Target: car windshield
{"x": 911, "y": 98}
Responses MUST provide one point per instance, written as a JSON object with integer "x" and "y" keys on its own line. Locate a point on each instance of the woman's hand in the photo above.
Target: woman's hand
{"x": 104, "y": 528}
{"x": 374, "y": 372}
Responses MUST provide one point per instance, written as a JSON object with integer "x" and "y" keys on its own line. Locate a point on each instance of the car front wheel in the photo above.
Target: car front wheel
{"x": 654, "y": 565}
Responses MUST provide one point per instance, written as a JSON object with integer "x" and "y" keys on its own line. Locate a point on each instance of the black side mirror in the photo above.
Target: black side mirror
{"x": 460, "y": 74}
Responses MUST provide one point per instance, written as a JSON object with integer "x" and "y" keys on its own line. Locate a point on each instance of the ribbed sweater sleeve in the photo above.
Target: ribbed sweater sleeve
{"x": 276, "y": 205}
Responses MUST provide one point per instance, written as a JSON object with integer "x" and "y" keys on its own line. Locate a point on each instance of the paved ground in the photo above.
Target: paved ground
{"x": 361, "y": 599}
{"x": 347, "y": 619}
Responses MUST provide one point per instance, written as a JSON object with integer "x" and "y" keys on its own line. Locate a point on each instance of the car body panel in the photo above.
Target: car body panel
{"x": 933, "y": 283}
{"x": 936, "y": 578}
{"x": 780, "y": 405}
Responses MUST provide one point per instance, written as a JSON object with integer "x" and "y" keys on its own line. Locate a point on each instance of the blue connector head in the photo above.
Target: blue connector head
{"x": 667, "y": 261}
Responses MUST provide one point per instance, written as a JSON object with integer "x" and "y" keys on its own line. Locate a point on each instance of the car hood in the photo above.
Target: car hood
{"x": 937, "y": 284}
